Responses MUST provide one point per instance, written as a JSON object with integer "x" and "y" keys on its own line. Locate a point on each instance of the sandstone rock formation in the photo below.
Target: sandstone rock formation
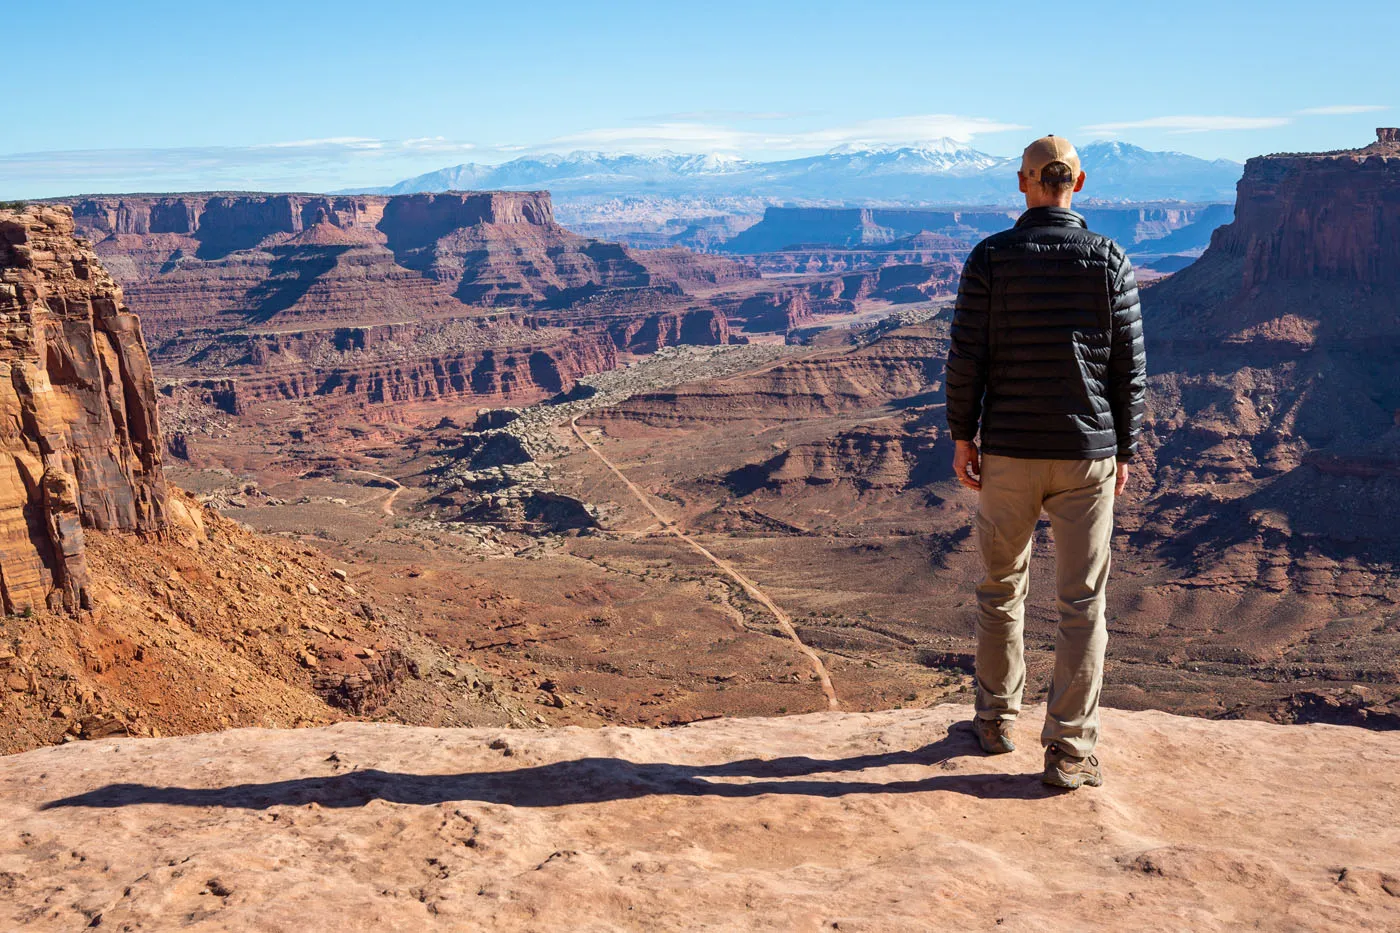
{"x": 370, "y": 300}
{"x": 883, "y": 821}
{"x": 903, "y": 364}
{"x": 227, "y": 261}
{"x": 1275, "y": 360}
{"x": 80, "y": 440}
{"x": 870, "y": 456}
{"x": 209, "y": 626}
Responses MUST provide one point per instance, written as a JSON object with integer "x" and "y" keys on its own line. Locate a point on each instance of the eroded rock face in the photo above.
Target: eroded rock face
{"x": 221, "y": 261}
{"x": 1275, "y": 377}
{"x": 368, "y": 300}
{"x": 508, "y": 373}
{"x": 901, "y": 365}
{"x": 79, "y": 442}
{"x": 1319, "y": 216}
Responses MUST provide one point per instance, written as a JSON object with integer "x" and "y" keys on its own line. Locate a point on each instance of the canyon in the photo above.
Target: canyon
{"x": 611, "y": 488}
{"x": 468, "y": 467}
{"x": 372, "y": 301}
{"x": 793, "y": 424}
{"x": 131, "y": 608}
{"x": 388, "y": 299}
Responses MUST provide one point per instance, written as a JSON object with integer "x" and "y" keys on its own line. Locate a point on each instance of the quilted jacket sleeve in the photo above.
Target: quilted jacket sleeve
{"x": 968, "y": 355}
{"x": 1127, "y": 367}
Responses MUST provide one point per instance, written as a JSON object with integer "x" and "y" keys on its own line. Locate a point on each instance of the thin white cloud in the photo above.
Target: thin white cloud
{"x": 292, "y": 165}
{"x": 657, "y": 136}
{"x": 1340, "y": 109}
{"x": 726, "y": 116}
{"x": 895, "y": 130}
{"x": 436, "y": 144}
{"x": 689, "y": 136}
{"x": 1188, "y": 124}
{"x": 349, "y": 142}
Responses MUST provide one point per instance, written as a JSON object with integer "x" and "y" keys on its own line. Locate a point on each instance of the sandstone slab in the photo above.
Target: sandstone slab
{"x": 879, "y": 821}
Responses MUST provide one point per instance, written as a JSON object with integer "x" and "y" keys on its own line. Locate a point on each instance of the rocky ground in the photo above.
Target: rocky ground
{"x": 821, "y": 473}
{"x": 497, "y": 473}
{"x": 887, "y": 821}
{"x": 212, "y": 626}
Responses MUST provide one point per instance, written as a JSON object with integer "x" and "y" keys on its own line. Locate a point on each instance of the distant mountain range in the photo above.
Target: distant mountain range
{"x": 940, "y": 172}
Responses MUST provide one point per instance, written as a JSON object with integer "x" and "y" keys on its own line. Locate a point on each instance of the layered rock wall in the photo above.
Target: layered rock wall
{"x": 1329, "y": 216}
{"x": 491, "y": 375}
{"x": 232, "y": 260}
{"x": 902, "y": 364}
{"x": 222, "y": 223}
{"x": 384, "y": 299}
{"x": 1275, "y": 373}
{"x": 79, "y": 440}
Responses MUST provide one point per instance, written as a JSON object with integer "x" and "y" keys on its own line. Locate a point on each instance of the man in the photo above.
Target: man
{"x": 1047, "y": 359}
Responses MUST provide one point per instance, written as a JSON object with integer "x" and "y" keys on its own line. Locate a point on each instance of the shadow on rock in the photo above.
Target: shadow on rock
{"x": 584, "y": 781}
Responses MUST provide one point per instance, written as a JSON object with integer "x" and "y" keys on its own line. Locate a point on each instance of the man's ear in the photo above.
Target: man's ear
{"x": 1020, "y": 176}
{"x": 1079, "y": 183}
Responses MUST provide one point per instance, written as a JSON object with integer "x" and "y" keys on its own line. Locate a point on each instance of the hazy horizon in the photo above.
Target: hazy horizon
{"x": 320, "y": 96}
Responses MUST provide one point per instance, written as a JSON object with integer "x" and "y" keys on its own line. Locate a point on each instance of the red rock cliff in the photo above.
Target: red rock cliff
{"x": 1329, "y": 215}
{"x": 1312, "y": 255}
{"x": 79, "y": 441}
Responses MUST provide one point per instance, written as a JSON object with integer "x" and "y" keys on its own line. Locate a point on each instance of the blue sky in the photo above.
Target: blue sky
{"x": 153, "y": 96}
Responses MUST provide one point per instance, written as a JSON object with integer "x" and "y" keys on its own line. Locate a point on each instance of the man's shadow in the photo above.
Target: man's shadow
{"x": 587, "y": 780}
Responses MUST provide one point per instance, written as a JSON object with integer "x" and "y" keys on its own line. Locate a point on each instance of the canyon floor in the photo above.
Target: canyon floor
{"x": 855, "y": 530}
{"x": 886, "y": 821}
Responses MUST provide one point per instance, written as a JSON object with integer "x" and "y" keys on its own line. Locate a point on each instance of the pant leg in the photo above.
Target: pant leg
{"x": 1007, "y": 509}
{"x": 1079, "y": 502}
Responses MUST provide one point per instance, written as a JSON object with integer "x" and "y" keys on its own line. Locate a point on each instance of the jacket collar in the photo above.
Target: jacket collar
{"x": 1051, "y": 217}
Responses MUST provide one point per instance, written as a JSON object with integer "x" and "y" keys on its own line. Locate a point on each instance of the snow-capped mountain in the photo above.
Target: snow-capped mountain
{"x": 584, "y": 172}
{"x": 1146, "y": 175}
{"x": 938, "y": 171}
{"x": 939, "y": 156}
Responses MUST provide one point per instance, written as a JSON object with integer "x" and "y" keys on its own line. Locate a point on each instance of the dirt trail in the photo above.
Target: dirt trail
{"x": 388, "y": 504}
{"x": 784, "y": 620}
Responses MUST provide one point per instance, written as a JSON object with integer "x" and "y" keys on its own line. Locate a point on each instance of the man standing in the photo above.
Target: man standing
{"x": 1047, "y": 358}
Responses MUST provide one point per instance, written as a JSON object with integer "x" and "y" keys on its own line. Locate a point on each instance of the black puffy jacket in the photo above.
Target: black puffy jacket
{"x": 1047, "y": 353}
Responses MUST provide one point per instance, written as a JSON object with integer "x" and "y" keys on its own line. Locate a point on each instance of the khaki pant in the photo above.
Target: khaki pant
{"x": 1078, "y": 497}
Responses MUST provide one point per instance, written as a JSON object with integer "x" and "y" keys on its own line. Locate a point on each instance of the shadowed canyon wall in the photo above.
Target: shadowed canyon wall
{"x": 1276, "y": 380}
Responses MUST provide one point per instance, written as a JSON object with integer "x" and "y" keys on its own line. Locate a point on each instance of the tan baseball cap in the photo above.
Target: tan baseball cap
{"x": 1045, "y": 150}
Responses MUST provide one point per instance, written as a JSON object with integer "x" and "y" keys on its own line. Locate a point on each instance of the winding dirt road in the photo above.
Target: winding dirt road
{"x": 387, "y": 506}
{"x": 670, "y": 527}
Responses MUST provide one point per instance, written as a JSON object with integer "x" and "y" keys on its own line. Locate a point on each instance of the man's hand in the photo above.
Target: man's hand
{"x": 1122, "y": 483}
{"x": 967, "y": 465}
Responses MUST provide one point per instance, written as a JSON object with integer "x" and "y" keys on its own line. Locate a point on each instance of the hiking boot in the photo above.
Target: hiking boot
{"x": 994, "y": 735}
{"x": 1070, "y": 771}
